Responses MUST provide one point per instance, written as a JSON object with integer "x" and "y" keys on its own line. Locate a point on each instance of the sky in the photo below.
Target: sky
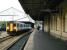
{"x": 5, "y": 4}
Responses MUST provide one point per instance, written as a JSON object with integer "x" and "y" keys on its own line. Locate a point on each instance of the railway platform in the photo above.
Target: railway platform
{"x": 40, "y": 40}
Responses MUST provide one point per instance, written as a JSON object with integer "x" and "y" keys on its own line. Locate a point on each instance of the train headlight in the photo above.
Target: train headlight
{"x": 7, "y": 27}
{"x": 15, "y": 28}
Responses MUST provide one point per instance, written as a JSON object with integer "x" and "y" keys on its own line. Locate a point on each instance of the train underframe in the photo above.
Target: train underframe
{"x": 13, "y": 33}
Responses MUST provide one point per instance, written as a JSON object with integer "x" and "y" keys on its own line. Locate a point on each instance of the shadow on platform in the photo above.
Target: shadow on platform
{"x": 40, "y": 40}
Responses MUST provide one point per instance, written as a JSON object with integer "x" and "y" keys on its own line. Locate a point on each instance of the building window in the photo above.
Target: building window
{"x": 65, "y": 23}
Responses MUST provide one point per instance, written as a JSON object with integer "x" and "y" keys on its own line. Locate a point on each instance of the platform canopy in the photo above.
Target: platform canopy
{"x": 31, "y": 20}
{"x": 26, "y": 19}
{"x": 11, "y": 14}
{"x": 11, "y": 10}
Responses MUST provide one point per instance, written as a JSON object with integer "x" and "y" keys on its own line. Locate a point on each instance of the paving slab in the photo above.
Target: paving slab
{"x": 40, "y": 40}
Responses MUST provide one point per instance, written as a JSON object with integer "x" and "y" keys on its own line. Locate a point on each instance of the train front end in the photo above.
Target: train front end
{"x": 11, "y": 28}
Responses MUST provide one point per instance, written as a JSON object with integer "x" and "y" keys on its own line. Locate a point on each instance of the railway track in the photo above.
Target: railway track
{"x": 5, "y": 38}
{"x": 19, "y": 45}
{"x": 10, "y": 42}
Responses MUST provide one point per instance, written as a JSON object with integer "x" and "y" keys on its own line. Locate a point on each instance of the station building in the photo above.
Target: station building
{"x": 56, "y": 23}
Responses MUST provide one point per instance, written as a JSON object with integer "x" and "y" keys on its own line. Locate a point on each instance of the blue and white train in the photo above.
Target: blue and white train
{"x": 14, "y": 28}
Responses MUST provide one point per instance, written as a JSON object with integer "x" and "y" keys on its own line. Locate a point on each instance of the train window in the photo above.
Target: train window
{"x": 24, "y": 25}
{"x": 27, "y": 25}
{"x": 17, "y": 25}
{"x": 20, "y": 25}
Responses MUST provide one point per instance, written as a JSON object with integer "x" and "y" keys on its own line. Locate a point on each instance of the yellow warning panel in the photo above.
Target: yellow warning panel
{"x": 11, "y": 26}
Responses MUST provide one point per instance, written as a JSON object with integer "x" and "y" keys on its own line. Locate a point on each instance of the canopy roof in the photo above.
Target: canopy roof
{"x": 26, "y": 19}
{"x": 11, "y": 10}
{"x": 13, "y": 14}
{"x": 31, "y": 20}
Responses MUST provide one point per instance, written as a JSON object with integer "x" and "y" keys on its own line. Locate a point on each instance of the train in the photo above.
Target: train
{"x": 14, "y": 28}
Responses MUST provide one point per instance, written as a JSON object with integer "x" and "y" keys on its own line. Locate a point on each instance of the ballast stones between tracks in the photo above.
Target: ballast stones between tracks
{"x": 7, "y": 43}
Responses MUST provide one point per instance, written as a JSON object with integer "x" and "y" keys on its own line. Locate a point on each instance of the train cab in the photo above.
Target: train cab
{"x": 14, "y": 28}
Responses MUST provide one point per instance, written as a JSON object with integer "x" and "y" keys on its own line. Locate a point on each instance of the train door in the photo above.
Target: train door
{"x": 9, "y": 26}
